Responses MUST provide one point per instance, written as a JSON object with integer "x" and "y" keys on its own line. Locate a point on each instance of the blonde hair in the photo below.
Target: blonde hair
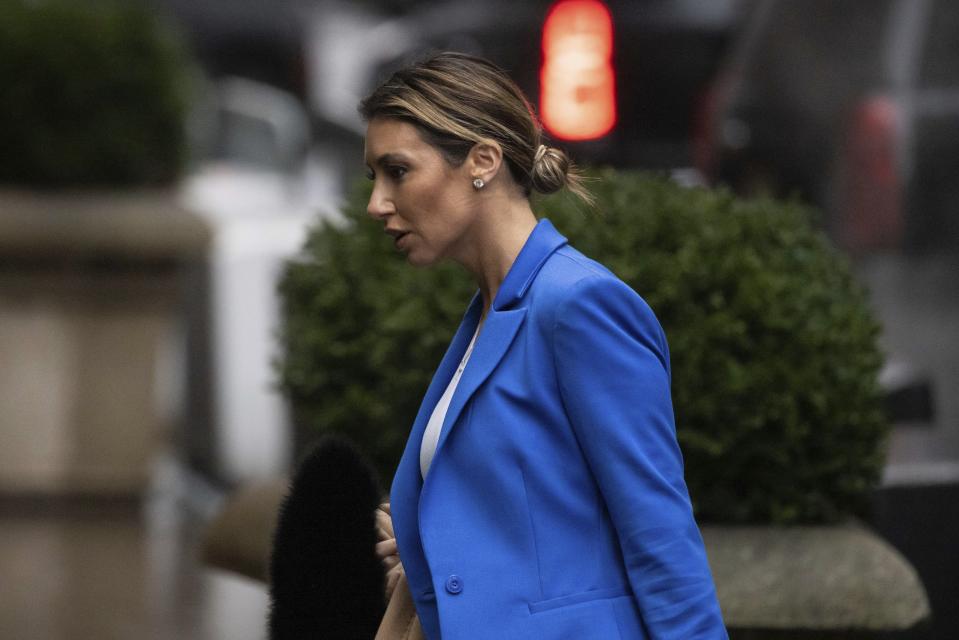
{"x": 457, "y": 100}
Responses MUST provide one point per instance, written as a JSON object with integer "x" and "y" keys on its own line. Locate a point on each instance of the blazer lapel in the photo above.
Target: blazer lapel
{"x": 500, "y": 328}
{"x": 494, "y": 340}
{"x": 407, "y": 482}
{"x": 443, "y": 375}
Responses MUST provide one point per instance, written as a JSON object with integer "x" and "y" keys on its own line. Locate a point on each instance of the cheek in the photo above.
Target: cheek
{"x": 436, "y": 211}
{"x": 454, "y": 202}
{"x": 439, "y": 210}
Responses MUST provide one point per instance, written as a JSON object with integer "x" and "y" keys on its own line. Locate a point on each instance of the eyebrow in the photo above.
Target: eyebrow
{"x": 387, "y": 158}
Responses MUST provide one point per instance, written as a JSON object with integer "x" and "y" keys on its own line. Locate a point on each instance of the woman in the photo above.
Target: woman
{"x": 541, "y": 492}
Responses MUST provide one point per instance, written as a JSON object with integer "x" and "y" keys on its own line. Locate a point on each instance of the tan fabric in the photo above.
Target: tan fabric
{"x": 400, "y": 621}
{"x": 240, "y": 536}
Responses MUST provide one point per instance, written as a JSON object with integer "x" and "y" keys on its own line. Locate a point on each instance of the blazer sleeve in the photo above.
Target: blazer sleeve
{"x": 613, "y": 369}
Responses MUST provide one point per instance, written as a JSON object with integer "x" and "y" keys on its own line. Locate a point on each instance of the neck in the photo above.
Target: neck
{"x": 496, "y": 240}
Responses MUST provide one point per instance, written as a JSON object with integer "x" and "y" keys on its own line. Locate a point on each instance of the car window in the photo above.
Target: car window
{"x": 816, "y": 51}
{"x": 940, "y": 58}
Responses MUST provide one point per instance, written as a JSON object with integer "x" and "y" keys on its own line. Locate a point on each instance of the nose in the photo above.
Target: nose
{"x": 379, "y": 205}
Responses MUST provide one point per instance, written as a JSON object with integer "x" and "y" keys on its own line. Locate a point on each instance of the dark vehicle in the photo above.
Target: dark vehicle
{"x": 853, "y": 105}
{"x": 329, "y": 54}
{"x": 664, "y": 53}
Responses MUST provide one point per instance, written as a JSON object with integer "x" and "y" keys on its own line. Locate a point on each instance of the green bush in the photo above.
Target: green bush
{"x": 774, "y": 349}
{"x": 94, "y": 93}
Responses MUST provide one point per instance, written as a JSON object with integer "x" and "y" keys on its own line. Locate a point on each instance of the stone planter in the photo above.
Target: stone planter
{"x": 778, "y": 583}
{"x": 774, "y": 583}
{"x": 91, "y": 288}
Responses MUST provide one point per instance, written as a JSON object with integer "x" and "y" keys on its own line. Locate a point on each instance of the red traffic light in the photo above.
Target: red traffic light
{"x": 577, "y": 87}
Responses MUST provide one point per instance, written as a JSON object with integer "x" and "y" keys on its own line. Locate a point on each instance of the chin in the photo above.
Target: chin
{"x": 421, "y": 258}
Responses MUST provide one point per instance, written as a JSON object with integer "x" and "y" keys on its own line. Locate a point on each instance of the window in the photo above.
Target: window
{"x": 817, "y": 51}
{"x": 940, "y": 58}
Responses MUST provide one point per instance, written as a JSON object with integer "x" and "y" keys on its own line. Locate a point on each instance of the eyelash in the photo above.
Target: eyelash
{"x": 395, "y": 172}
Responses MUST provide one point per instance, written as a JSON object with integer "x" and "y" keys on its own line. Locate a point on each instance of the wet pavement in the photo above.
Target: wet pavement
{"x": 917, "y": 507}
{"x": 917, "y": 301}
{"x": 115, "y": 570}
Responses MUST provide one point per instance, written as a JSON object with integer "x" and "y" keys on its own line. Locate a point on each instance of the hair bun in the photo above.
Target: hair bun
{"x": 550, "y": 171}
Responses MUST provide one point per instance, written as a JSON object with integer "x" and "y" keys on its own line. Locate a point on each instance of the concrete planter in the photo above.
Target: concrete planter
{"x": 843, "y": 581}
{"x": 91, "y": 288}
{"x": 774, "y": 583}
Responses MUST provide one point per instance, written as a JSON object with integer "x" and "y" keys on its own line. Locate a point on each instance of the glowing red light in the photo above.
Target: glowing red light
{"x": 577, "y": 88}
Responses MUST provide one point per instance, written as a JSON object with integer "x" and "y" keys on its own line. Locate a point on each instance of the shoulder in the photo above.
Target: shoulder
{"x": 566, "y": 270}
{"x": 570, "y": 279}
{"x": 575, "y": 294}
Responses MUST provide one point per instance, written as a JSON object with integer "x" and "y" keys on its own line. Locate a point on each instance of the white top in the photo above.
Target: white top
{"x": 431, "y": 436}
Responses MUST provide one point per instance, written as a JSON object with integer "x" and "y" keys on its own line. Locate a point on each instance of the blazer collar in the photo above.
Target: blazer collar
{"x": 500, "y": 328}
{"x": 542, "y": 242}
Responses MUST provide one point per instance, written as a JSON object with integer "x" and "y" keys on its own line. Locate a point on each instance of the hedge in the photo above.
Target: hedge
{"x": 95, "y": 93}
{"x": 773, "y": 344}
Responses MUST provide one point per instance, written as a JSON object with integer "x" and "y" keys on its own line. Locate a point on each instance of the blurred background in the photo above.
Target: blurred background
{"x": 138, "y": 305}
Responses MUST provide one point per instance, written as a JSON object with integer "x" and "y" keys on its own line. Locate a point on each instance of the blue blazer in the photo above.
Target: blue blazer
{"x": 555, "y": 506}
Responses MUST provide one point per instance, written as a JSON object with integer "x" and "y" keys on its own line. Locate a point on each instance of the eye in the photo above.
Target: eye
{"x": 396, "y": 172}
{"x": 369, "y": 174}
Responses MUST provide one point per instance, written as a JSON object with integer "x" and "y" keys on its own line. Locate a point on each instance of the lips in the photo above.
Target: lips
{"x": 397, "y": 235}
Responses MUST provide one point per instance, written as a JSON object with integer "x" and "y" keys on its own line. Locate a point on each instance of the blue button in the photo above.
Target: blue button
{"x": 454, "y": 584}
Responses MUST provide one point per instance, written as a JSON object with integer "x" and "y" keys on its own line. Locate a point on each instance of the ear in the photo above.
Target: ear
{"x": 484, "y": 160}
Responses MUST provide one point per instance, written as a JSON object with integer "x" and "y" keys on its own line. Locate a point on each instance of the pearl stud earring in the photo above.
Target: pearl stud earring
{"x": 478, "y": 184}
